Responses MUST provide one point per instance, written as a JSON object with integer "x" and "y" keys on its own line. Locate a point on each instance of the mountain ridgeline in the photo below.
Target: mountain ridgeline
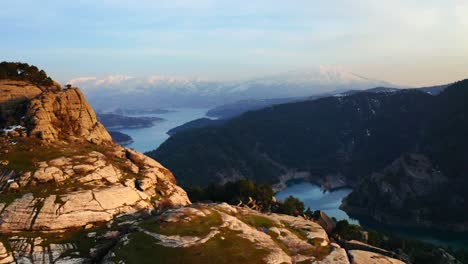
{"x": 343, "y": 140}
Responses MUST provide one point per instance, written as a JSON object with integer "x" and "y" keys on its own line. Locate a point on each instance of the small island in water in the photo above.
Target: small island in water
{"x": 121, "y": 138}
{"x": 114, "y": 121}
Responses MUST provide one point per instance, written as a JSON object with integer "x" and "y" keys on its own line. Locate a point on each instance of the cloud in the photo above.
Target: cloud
{"x": 113, "y": 79}
{"x": 89, "y": 83}
{"x": 80, "y": 80}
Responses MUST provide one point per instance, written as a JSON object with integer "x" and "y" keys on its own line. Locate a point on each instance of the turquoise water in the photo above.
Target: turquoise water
{"x": 146, "y": 139}
{"x": 329, "y": 202}
{"x": 317, "y": 199}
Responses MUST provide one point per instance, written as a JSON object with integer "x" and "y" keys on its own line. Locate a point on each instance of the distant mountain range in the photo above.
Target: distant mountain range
{"x": 225, "y": 112}
{"x": 172, "y": 92}
{"x": 240, "y": 107}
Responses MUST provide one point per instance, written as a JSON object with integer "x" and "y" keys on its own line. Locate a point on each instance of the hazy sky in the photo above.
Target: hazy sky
{"x": 410, "y": 42}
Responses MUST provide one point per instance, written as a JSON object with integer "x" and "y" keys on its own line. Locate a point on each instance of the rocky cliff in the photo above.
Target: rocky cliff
{"x": 15, "y": 95}
{"x": 61, "y": 171}
{"x": 65, "y": 115}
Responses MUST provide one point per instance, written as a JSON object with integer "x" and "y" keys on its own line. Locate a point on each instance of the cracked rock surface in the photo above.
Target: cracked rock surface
{"x": 87, "y": 189}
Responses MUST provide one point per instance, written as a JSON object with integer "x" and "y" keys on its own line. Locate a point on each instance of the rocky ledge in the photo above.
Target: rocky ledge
{"x": 74, "y": 191}
{"x": 200, "y": 233}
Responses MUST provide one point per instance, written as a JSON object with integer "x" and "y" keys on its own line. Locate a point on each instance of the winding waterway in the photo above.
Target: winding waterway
{"x": 146, "y": 139}
{"x": 317, "y": 199}
{"x": 329, "y": 201}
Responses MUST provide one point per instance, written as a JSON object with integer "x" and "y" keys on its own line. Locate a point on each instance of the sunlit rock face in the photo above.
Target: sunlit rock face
{"x": 65, "y": 115}
{"x": 199, "y": 233}
{"x": 61, "y": 170}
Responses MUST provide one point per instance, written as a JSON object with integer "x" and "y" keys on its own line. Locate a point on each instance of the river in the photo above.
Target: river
{"x": 317, "y": 199}
{"x": 329, "y": 201}
{"x": 146, "y": 139}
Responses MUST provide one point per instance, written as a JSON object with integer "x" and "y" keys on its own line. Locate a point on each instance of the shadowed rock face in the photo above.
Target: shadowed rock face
{"x": 12, "y": 90}
{"x": 407, "y": 192}
{"x": 14, "y": 96}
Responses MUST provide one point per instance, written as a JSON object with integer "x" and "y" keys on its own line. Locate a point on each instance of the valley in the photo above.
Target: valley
{"x": 70, "y": 194}
{"x": 234, "y": 132}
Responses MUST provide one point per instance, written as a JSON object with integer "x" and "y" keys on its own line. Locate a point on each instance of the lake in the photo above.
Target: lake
{"x": 146, "y": 139}
{"x": 317, "y": 199}
{"x": 329, "y": 201}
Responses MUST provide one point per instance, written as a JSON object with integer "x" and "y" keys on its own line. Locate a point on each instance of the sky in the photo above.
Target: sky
{"x": 406, "y": 42}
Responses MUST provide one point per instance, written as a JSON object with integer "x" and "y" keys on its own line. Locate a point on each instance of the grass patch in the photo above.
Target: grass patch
{"x": 198, "y": 226}
{"x": 298, "y": 232}
{"x": 319, "y": 251}
{"x": 257, "y": 221}
{"x": 232, "y": 249}
{"x": 24, "y": 155}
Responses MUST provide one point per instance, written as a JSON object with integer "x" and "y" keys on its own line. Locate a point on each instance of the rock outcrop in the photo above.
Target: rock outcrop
{"x": 65, "y": 115}
{"x": 14, "y": 91}
{"x": 205, "y": 233}
{"x": 200, "y": 233}
{"x": 60, "y": 172}
{"x": 82, "y": 189}
{"x": 14, "y": 97}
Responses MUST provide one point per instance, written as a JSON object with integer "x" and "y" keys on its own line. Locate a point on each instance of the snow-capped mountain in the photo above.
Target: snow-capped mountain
{"x": 176, "y": 91}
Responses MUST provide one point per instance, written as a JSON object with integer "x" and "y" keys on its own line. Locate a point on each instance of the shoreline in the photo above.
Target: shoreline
{"x": 366, "y": 219}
